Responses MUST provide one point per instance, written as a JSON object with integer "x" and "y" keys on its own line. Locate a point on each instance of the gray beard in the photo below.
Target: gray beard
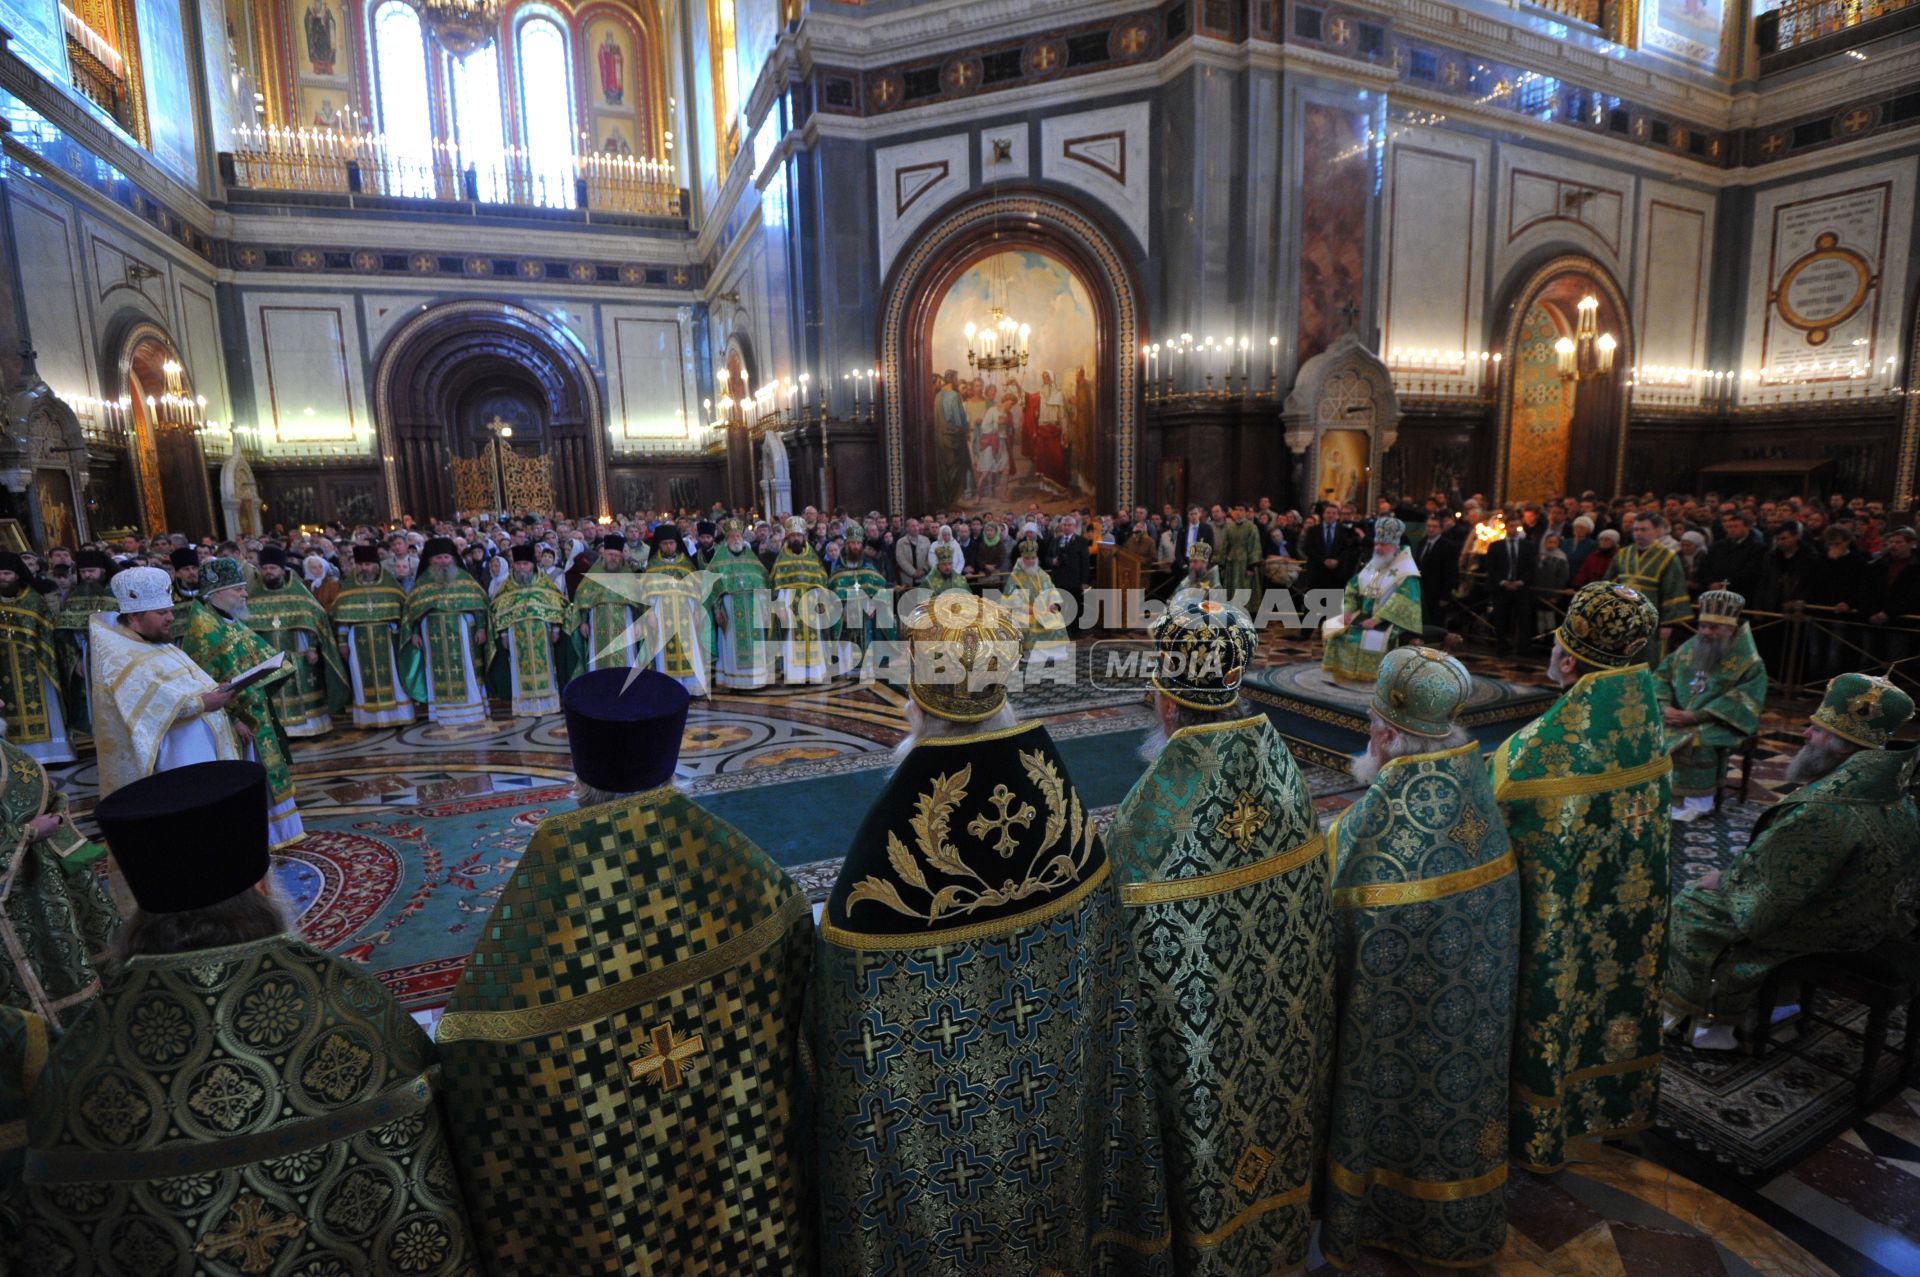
{"x": 1707, "y": 652}
{"x": 442, "y": 575}
{"x": 1813, "y": 761}
{"x": 237, "y": 612}
{"x": 1154, "y": 743}
{"x": 1366, "y": 765}
{"x": 525, "y": 578}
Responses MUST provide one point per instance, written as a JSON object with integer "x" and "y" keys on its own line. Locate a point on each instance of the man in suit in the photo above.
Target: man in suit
{"x": 913, "y": 555}
{"x": 1328, "y": 549}
{"x": 1438, "y": 557}
{"x": 1890, "y": 594}
{"x": 1510, "y": 565}
{"x": 1195, "y": 530}
{"x": 1067, "y": 560}
{"x": 1736, "y": 562}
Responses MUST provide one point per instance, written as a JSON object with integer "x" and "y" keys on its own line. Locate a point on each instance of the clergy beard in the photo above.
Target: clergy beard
{"x": 523, "y": 574}
{"x": 1709, "y": 645}
{"x": 443, "y": 575}
{"x": 251, "y": 915}
{"x": 1368, "y": 762}
{"x": 87, "y": 590}
{"x": 1813, "y": 761}
{"x": 236, "y": 611}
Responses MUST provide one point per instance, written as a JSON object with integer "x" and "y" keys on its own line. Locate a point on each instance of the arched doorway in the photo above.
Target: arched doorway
{"x": 1067, "y": 439}
{"x": 169, "y": 469}
{"x": 1558, "y": 435}
{"x": 451, "y": 371}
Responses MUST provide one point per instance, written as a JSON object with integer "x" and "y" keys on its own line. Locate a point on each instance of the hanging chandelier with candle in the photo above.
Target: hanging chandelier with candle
{"x": 461, "y": 26}
{"x": 1000, "y": 344}
{"x": 1589, "y": 352}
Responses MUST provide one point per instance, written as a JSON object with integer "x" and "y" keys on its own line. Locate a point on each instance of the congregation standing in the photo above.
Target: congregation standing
{"x": 1011, "y": 1043}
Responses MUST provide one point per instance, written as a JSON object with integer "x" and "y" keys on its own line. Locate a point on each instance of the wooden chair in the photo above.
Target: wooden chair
{"x": 1748, "y": 748}
{"x": 1882, "y": 979}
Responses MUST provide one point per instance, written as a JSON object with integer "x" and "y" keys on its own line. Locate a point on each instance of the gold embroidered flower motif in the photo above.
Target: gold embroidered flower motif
{"x": 226, "y": 1098}
{"x": 338, "y": 1068}
{"x": 115, "y": 1110}
{"x": 1243, "y": 823}
{"x": 160, "y": 1033}
{"x": 1623, "y": 1037}
{"x": 421, "y": 1245}
{"x": 270, "y": 1014}
{"x": 1491, "y": 1143}
{"x": 253, "y": 1233}
{"x": 1469, "y": 829}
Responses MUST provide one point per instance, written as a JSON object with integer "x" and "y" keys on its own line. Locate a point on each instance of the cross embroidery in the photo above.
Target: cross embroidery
{"x": 1251, "y": 1168}
{"x": 1002, "y": 821}
{"x": 670, "y": 1059}
{"x": 1338, "y": 30}
{"x": 256, "y": 1235}
{"x": 1244, "y": 823}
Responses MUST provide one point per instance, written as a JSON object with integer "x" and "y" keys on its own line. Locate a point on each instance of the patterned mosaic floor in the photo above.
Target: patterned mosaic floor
{"x": 1852, "y": 1207}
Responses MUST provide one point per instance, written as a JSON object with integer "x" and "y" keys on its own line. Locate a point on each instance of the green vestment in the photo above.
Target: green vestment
{"x": 384, "y": 669}
{"x": 226, "y": 649}
{"x": 1825, "y": 872}
{"x": 860, "y": 590}
{"x": 523, "y": 618}
{"x": 939, "y": 582}
{"x": 452, "y": 617}
{"x": 1586, "y": 790}
{"x": 805, "y": 608}
{"x": 742, "y": 608}
{"x": 622, "y": 1052}
{"x": 1657, "y": 573}
{"x": 24, "y": 1042}
{"x": 1427, "y": 930}
{"x": 70, "y": 652}
{"x": 675, "y": 627}
{"x": 57, "y": 917}
{"x": 260, "y": 1108}
{"x": 1390, "y": 596}
{"x": 984, "y": 1105}
{"x": 1239, "y": 555}
{"x": 292, "y": 620}
{"x": 604, "y": 617}
{"x": 1728, "y": 698}
{"x": 1036, "y": 605}
{"x": 1221, "y": 869}
{"x": 28, "y": 671}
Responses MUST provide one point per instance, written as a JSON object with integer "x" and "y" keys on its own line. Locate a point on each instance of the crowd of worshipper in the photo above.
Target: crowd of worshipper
{"x": 1012, "y": 1041}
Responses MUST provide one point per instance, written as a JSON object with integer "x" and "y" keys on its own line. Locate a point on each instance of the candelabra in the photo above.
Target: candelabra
{"x": 1589, "y": 352}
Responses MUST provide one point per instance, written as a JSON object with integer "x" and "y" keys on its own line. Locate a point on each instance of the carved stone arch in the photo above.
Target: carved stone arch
{"x": 435, "y": 376}
{"x": 1344, "y": 387}
{"x": 1051, "y": 224}
{"x": 1597, "y": 426}
{"x": 169, "y": 467}
{"x": 44, "y": 457}
{"x": 240, "y": 496}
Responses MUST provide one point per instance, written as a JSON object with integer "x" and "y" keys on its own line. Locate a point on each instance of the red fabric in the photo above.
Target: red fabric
{"x": 1593, "y": 568}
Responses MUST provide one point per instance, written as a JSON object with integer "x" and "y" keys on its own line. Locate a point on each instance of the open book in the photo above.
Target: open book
{"x": 247, "y": 678}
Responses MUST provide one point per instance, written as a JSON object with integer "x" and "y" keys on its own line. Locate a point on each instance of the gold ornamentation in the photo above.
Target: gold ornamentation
{"x": 1491, "y": 1143}
{"x": 933, "y": 813}
{"x": 670, "y": 1058}
{"x": 1251, "y": 1168}
{"x": 255, "y": 1233}
{"x": 1468, "y": 832}
{"x": 1244, "y": 823}
{"x": 1424, "y": 889}
{"x": 1135, "y": 894}
{"x": 1425, "y": 1190}
{"x": 1003, "y": 822}
{"x": 1012, "y": 924}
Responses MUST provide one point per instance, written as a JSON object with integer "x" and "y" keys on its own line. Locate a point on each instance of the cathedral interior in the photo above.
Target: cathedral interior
{"x": 302, "y": 279}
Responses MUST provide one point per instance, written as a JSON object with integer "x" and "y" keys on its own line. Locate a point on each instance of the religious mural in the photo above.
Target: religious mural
{"x": 1003, "y": 439}
{"x": 1688, "y": 29}
{"x": 1343, "y": 466}
{"x": 1542, "y": 411}
{"x": 615, "y": 92}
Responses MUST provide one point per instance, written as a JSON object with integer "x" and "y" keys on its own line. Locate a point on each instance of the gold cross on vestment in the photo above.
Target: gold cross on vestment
{"x": 256, "y": 1234}
{"x": 669, "y": 1058}
{"x": 1002, "y": 822}
{"x": 1244, "y": 823}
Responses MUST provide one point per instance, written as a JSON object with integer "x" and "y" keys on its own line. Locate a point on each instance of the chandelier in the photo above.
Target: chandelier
{"x": 998, "y": 346}
{"x": 461, "y": 26}
{"x": 1589, "y": 352}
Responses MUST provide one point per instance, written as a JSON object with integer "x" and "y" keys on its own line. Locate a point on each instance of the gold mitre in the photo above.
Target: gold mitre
{"x": 964, "y": 649}
{"x": 1719, "y": 607}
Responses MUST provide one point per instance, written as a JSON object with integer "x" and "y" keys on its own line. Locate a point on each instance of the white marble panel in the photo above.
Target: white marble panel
{"x": 1545, "y": 200}
{"x": 1104, "y": 153}
{"x": 1827, "y": 281}
{"x": 306, "y": 369}
{"x": 1672, "y": 276}
{"x": 913, "y": 182}
{"x": 1017, "y": 163}
{"x": 50, "y": 280}
{"x": 1432, "y": 284}
{"x": 648, "y": 396}
{"x": 200, "y": 347}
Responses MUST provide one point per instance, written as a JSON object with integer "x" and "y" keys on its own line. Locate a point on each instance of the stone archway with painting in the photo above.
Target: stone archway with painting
{"x": 1342, "y": 417}
{"x": 1067, "y": 437}
{"x": 1554, "y": 435}
{"x": 169, "y": 467}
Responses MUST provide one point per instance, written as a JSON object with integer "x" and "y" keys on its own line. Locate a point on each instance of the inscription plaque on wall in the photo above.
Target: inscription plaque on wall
{"x": 1823, "y": 299}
